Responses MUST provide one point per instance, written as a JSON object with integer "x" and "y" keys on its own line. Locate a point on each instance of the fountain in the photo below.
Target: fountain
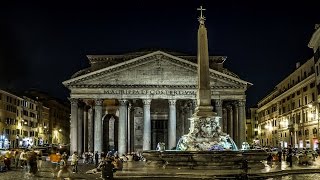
{"x": 205, "y": 146}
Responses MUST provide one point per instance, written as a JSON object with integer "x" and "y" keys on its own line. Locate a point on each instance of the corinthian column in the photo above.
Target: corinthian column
{"x": 90, "y": 129}
{"x": 236, "y": 125}
{"x": 74, "y": 126}
{"x": 85, "y": 129}
{"x": 230, "y": 121}
{"x": 122, "y": 132}
{"x": 98, "y": 126}
{"x": 242, "y": 121}
{"x": 80, "y": 129}
{"x": 146, "y": 124}
{"x": 218, "y": 107}
{"x": 172, "y": 124}
{"x": 129, "y": 128}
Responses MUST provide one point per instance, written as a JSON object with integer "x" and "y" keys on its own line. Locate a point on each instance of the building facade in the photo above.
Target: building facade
{"x": 252, "y": 126}
{"x": 26, "y": 122}
{"x": 19, "y": 121}
{"x": 56, "y": 117}
{"x": 128, "y": 102}
{"x": 289, "y": 115}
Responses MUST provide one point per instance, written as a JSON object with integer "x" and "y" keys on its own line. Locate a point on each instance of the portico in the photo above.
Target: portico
{"x": 132, "y": 102}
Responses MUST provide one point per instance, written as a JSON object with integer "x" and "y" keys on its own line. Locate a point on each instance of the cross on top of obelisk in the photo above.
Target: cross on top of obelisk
{"x": 201, "y": 18}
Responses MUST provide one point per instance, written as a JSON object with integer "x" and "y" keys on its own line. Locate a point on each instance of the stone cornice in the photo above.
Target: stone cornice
{"x": 148, "y": 86}
{"x": 146, "y": 58}
{"x": 314, "y": 39}
{"x": 293, "y": 89}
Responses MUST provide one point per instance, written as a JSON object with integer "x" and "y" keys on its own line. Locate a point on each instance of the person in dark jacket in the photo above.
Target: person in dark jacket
{"x": 279, "y": 155}
{"x": 96, "y": 158}
{"x": 290, "y": 155}
{"x": 107, "y": 170}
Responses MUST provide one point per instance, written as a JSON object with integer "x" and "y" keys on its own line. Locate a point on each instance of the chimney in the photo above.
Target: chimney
{"x": 297, "y": 65}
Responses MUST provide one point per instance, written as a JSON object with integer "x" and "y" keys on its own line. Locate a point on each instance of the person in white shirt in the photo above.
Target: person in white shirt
{"x": 74, "y": 162}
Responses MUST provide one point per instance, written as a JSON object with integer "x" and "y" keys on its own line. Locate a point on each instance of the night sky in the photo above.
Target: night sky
{"x": 43, "y": 44}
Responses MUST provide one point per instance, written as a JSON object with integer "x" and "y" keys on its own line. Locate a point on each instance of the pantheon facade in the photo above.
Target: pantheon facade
{"x": 130, "y": 102}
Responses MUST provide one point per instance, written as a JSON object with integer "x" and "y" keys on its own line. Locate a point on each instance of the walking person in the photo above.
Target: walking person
{"x": 64, "y": 171}
{"x": 23, "y": 159}
{"x": 74, "y": 162}
{"x": 279, "y": 154}
{"x": 290, "y": 155}
{"x": 39, "y": 160}
{"x": 96, "y": 158}
{"x": 16, "y": 159}
{"x": 32, "y": 160}
{"x": 54, "y": 159}
{"x": 65, "y": 156}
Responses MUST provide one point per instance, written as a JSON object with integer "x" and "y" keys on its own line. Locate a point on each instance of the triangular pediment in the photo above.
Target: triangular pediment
{"x": 154, "y": 69}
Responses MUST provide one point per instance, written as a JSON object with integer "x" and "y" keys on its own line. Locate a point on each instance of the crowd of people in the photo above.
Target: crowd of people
{"x": 29, "y": 160}
{"x": 303, "y": 156}
{"x": 63, "y": 165}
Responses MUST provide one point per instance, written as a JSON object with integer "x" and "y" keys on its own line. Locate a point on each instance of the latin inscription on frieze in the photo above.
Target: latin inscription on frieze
{"x": 149, "y": 92}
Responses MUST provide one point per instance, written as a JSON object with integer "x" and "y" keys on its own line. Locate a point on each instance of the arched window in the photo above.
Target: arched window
{"x": 306, "y": 132}
{"x": 314, "y": 131}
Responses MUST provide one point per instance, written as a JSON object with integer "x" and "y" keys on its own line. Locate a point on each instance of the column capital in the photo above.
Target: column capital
{"x": 229, "y": 107}
{"x": 74, "y": 101}
{"x": 194, "y": 102}
{"x": 123, "y": 102}
{"x": 172, "y": 102}
{"x": 241, "y": 102}
{"x": 218, "y": 102}
{"x": 98, "y": 102}
{"x": 146, "y": 101}
{"x": 89, "y": 102}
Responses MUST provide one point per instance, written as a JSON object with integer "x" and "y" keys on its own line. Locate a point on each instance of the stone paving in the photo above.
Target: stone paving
{"x": 45, "y": 173}
{"x": 137, "y": 170}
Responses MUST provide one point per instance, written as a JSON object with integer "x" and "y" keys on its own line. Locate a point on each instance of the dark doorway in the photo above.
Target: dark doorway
{"x": 107, "y": 145}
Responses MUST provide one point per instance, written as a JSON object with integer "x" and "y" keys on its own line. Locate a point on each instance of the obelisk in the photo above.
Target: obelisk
{"x": 204, "y": 107}
{"x": 205, "y": 132}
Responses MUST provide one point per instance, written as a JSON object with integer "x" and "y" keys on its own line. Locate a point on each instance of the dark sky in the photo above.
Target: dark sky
{"x": 43, "y": 44}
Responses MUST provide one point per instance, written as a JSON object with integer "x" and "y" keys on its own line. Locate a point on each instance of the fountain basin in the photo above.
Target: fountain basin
{"x": 203, "y": 159}
{"x": 194, "y": 159}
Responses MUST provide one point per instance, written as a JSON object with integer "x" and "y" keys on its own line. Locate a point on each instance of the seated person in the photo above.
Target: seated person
{"x": 117, "y": 163}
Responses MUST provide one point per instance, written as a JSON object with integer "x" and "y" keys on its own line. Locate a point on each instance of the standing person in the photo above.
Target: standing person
{"x": 279, "y": 155}
{"x": 23, "y": 159}
{"x": 16, "y": 158}
{"x": 107, "y": 170}
{"x": 90, "y": 157}
{"x": 7, "y": 160}
{"x": 32, "y": 160}
{"x": 74, "y": 162}
{"x": 65, "y": 156}
{"x": 290, "y": 155}
{"x": 55, "y": 159}
{"x": 96, "y": 158}
{"x": 103, "y": 156}
{"x": 117, "y": 163}
{"x": 64, "y": 171}
{"x": 39, "y": 160}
